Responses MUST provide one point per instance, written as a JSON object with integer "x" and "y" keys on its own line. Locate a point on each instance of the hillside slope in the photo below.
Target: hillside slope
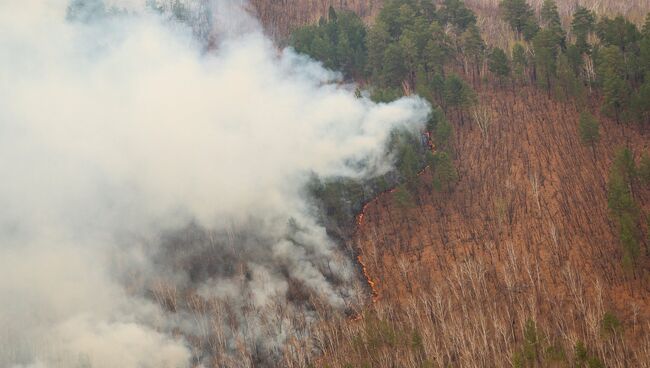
{"x": 524, "y": 238}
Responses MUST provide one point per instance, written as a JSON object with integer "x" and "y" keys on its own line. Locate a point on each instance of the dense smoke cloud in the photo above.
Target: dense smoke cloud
{"x": 140, "y": 170}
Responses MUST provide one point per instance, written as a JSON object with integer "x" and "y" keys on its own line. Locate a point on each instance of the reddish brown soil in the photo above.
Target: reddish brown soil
{"x": 495, "y": 211}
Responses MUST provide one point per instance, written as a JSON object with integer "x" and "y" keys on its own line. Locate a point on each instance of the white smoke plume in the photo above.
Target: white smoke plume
{"x": 151, "y": 203}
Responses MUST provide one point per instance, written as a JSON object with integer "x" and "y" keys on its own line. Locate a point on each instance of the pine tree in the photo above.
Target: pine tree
{"x": 459, "y": 95}
{"x": 444, "y": 172}
{"x": 455, "y": 12}
{"x": 473, "y": 49}
{"x": 520, "y": 16}
{"x": 589, "y": 129}
{"x": 394, "y": 70}
{"x": 622, "y": 206}
{"x": 403, "y": 198}
{"x": 546, "y": 51}
{"x": 582, "y": 25}
{"x": 378, "y": 40}
{"x": 519, "y": 60}
{"x": 618, "y": 32}
{"x": 499, "y": 64}
{"x": 438, "y": 50}
{"x": 611, "y": 70}
{"x": 551, "y": 21}
{"x": 568, "y": 84}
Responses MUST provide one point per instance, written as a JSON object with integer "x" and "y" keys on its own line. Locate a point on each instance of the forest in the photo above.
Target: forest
{"x": 325, "y": 183}
{"x": 589, "y": 70}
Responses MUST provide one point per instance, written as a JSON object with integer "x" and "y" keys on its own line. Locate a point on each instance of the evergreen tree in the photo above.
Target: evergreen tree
{"x": 473, "y": 49}
{"x": 428, "y": 10}
{"x": 444, "y": 172}
{"x": 438, "y": 50}
{"x": 520, "y": 16}
{"x": 611, "y": 70}
{"x": 394, "y": 70}
{"x": 618, "y": 32}
{"x": 455, "y": 12}
{"x": 499, "y": 64}
{"x": 408, "y": 161}
{"x": 378, "y": 40}
{"x": 331, "y": 14}
{"x": 589, "y": 129}
{"x": 403, "y": 198}
{"x": 458, "y": 94}
{"x": 640, "y": 104}
{"x": 568, "y": 84}
{"x": 546, "y": 51}
{"x": 582, "y": 25}
{"x": 622, "y": 206}
{"x": 551, "y": 21}
{"x": 519, "y": 60}
{"x": 443, "y": 134}
{"x": 410, "y": 55}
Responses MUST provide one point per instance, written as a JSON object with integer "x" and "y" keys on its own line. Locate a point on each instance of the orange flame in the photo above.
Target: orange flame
{"x": 372, "y": 284}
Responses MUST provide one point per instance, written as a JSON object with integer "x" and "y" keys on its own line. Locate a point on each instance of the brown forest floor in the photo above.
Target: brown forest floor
{"x": 527, "y": 224}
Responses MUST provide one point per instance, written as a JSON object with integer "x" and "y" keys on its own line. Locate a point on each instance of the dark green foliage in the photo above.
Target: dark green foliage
{"x": 580, "y": 354}
{"x": 438, "y": 50}
{"x": 403, "y": 197}
{"x": 611, "y": 72}
{"x": 520, "y": 16}
{"x": 551, "y": 20}
{"x": 339, "y": 42}
{"x": 443, "y": 134}
{"x": 589, "y": 129}
{"x": 458, "y": 94}
{"x": 408, "y": 163}
{"x": 546, "y": 47}
{"x": 455, "y": 12}
{"x": 568, "y": 84}
{"x": 629, "y": 237}
{"x": 582, "y": 25}
{"x": 473, "y": 48}
{"x": 385, "y": 94}
{"x": 617, "y": 32}
{"x": 445, "y": 175}
{"x": 378, "y": 40}
{"x": 622, "y": 206}
{"x": 531, "y": 341}
{"x": 394, "y": 70}
{"x": 519, "y": 60}
{"x": 609, "y": 324}
{"x": 499, "y": 64}
{"x": 619, "y": 194}
{"x": 337, "y": 196}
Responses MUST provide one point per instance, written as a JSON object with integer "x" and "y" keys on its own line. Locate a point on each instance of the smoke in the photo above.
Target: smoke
{"x": 152, "y": 198}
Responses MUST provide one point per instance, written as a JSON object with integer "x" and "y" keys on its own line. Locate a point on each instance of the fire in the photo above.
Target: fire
{"x": 372, "y": 284}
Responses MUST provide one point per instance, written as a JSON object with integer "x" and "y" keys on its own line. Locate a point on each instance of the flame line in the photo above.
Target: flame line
{"x": 372, "y": 284}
